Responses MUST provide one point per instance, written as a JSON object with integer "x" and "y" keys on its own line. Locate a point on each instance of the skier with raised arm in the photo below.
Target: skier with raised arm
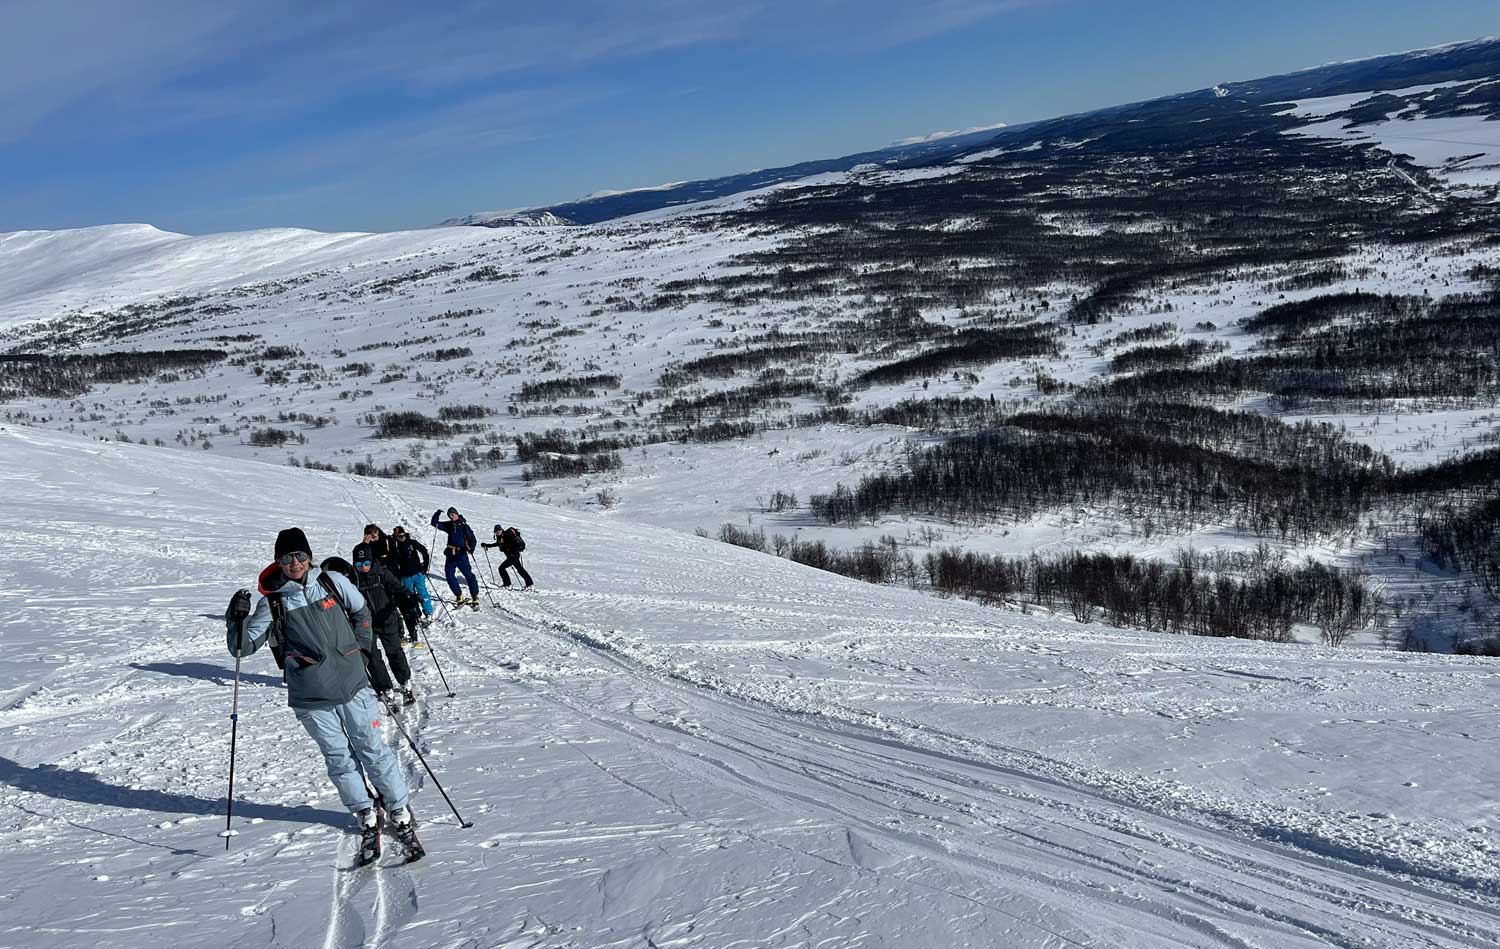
{"x": 318, "y": 626}
{"x": 461, "y": 543}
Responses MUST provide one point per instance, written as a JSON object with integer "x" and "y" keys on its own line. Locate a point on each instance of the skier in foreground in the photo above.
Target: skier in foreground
{"x": 461, "y": 543}
{"x": 318, "y": 625}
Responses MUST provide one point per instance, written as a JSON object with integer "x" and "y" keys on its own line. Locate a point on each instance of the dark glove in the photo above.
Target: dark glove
{"x": 239, "y": 607}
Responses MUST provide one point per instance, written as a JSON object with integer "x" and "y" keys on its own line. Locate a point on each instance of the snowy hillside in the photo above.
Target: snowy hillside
{"x": 703, "y": 746}
{"x": 47, "y": 272}
{"x": 1184, "y": 338}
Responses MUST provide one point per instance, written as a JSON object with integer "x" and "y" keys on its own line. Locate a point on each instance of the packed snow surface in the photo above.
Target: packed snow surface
{"x": 671, "y": 742}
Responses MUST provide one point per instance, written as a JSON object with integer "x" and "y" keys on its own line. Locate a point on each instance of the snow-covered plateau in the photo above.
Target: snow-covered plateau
{"x": 1226, "y": 362}
{"x": 701, "y": 746}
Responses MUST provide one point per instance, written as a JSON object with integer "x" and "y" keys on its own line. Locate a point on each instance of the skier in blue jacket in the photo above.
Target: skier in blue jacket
{"x": 461, "y": 543}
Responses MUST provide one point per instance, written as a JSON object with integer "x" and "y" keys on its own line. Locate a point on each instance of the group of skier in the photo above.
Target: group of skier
{"x": 323, "y": 622}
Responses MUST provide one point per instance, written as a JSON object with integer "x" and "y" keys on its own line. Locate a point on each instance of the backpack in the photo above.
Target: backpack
{"x": 516, "y": 538}
{"x": 278, "y": 621}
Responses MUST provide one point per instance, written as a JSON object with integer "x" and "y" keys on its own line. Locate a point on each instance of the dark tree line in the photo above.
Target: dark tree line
{"x": 1142, "y": 334}
{"x": 1130, "y": 591}
{"x": 275, "y": 437}
{"x": 531, "y": 446}
{"x": 1164, "y": 356}
{"x": 1294, "y": 319}
{"x": 1467, "y": 538}
{"x": 448, "y": 354}
{"x": 1013, "y": 473}
{"x": 1121, "y": 590}
{"x": 578, "y": 387}
{"x": 570, "y": 466}
{"x": 726, "y": 364}
{"x": 736, "y": 403}
{"x": 971, "y": 347}
{"x": 408, "y": 425}
{"x": 460, "y": 413}
{"x": 66, "y": 376}
{"x": 1446, "y": 350}
{"x": 1243, "y": 434}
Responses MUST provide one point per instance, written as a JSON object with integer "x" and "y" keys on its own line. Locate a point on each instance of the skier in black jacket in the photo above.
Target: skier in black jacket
{"x": 510, "y": 543}
{"x": 381, "y": 545}
{"x": 412, "y": 562}
{"x": 385, "y": 596}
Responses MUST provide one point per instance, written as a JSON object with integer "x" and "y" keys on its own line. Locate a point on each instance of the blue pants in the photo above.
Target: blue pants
{"x": 417, "y": 584}
{"x": 461, "y": 564}
{"x": 349, "y": 737}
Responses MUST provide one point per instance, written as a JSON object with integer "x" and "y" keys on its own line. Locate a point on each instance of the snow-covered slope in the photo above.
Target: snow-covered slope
{"x": 47, "y": 272}
{"x": 703, "y": 746}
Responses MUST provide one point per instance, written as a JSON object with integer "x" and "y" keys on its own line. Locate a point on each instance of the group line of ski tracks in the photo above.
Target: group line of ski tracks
{"x": 1350, "y": 898}
{"x": 394, "y": 905}
{"x": 395, "y": 899}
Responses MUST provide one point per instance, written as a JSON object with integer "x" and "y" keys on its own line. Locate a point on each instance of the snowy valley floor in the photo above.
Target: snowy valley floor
{"x": 702, "y": 746}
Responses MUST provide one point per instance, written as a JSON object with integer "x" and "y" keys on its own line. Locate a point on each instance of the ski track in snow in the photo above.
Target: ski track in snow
{"x": 696, "y": 747}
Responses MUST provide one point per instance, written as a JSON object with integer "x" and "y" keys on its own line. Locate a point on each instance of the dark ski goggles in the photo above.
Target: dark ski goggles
{"x": 362, "y": 563}
{"x": 296, "y": 556}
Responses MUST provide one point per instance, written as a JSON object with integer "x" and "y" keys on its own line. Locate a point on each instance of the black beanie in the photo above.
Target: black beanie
{"x": 362, "y": 552}
{"x": 292, "y": 540}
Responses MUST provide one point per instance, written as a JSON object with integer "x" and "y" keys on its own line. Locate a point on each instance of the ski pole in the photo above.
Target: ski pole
{"x": 418, "y": 752}
{"x": 433, "y": 653}
{"x": 239, "y": 607}
{"x": 489, "y": 584}
{"x": 436, "y": 599}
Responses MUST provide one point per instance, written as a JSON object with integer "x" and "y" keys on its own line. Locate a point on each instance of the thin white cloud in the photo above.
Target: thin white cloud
{"x": 98, "y": 69}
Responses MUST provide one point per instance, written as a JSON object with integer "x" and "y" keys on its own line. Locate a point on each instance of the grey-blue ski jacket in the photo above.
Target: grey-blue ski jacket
{"x": 323, "y": 637}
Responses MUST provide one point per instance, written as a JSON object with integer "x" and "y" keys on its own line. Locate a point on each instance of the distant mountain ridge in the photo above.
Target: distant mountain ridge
{"x": 604, "y": 206}
{"x": 1169, "y": 116}
{"x": 512, "y": 218}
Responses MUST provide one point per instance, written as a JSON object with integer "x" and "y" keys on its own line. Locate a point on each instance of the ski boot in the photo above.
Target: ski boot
{"x": 409, "y": 696}
{"x": 369, "y": 836}
{"x": 403, "y": 827}
{"x": 461, "y": 601}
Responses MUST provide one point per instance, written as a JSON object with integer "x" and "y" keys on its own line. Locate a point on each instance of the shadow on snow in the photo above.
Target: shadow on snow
{"x": 206, "y": 671}
{"x": 64, "y": 785}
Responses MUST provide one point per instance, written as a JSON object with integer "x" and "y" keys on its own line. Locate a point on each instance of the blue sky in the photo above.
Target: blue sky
{"x": 212, "y": 115}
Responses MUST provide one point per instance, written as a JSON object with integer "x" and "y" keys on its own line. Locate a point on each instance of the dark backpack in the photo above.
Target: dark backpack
{"x": 516, "y": 539}
{"x": 274, "y": 636}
